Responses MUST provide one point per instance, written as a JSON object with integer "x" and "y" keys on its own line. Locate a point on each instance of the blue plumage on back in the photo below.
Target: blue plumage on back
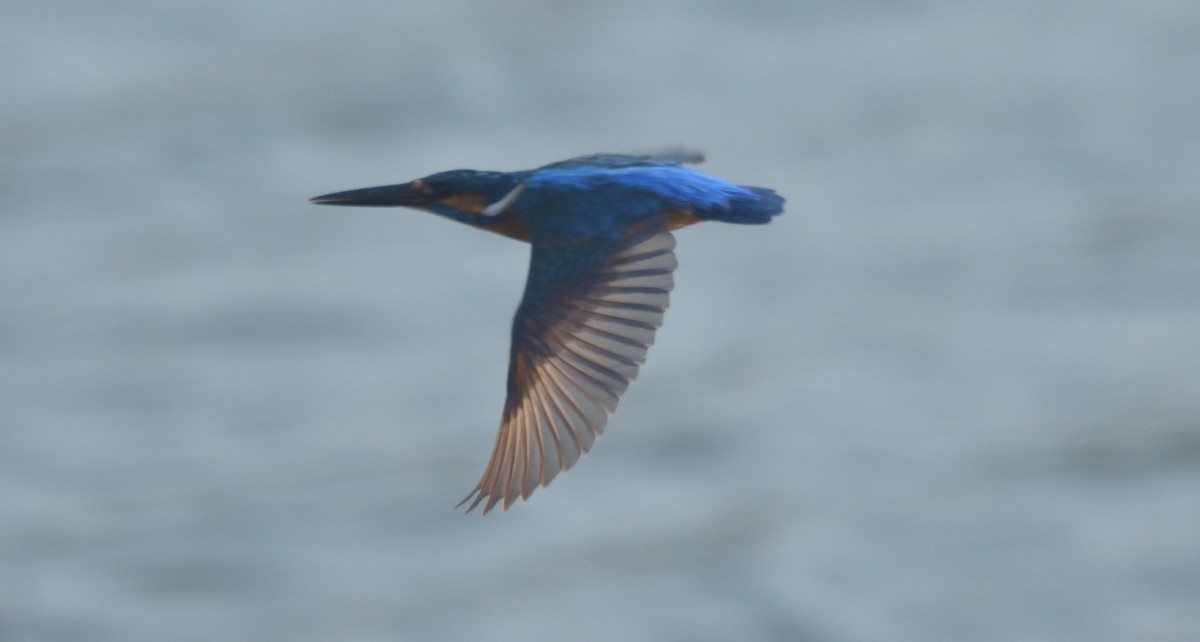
{"x": 646, "y": 186}
{"x": 675, "y": 186}
{"x": 601, "y": 270}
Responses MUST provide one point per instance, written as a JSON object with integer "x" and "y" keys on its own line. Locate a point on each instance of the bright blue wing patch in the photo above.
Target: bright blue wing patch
{"x": 668, "y": 187}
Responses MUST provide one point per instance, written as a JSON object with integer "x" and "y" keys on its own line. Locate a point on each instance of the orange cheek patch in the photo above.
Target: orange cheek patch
{"x": 512, "y": 228}
{"x": 680, "y": 218}
{"x": 472, "y": 203}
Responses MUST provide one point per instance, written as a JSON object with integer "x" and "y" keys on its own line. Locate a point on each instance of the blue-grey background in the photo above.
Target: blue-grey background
{"x": 952, "y": 394}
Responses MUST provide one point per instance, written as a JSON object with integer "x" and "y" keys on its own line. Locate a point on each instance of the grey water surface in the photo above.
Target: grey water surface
{"x": 952, "y": 394}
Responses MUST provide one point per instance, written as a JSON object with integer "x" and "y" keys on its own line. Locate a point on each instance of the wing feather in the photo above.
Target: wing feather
{"x": 578, "y": 341}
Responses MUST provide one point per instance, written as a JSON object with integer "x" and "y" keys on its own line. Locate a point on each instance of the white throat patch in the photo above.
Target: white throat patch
{"x": 502, "y": 204}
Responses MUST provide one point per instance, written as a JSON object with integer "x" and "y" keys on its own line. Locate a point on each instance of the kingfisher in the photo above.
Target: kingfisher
{"x": 600, "y": 273}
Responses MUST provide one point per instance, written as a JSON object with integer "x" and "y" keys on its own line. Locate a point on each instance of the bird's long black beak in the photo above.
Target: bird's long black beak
{"x": 402, "y": 195}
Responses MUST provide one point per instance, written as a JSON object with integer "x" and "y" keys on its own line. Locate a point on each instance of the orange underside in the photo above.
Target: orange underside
{"x": 680, "y": 218}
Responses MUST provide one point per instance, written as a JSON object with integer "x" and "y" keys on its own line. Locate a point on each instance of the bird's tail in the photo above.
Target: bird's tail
{"x": 756, "y": 208}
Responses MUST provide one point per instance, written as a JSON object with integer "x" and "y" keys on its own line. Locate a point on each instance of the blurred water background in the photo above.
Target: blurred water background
{"x": 952, "y": 394}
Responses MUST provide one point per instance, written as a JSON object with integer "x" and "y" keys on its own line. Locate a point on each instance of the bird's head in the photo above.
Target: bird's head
{"x": 462, "y": 194}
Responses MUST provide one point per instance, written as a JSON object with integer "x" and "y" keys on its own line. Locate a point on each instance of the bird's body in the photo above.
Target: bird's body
{"x": 600, "y": 273}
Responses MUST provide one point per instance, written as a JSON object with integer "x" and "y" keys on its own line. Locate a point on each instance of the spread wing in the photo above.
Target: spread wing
{"x": 589, "y": 314}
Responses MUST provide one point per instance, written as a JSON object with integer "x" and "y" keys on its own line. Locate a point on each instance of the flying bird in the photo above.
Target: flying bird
{"x": 601, "y": 269}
